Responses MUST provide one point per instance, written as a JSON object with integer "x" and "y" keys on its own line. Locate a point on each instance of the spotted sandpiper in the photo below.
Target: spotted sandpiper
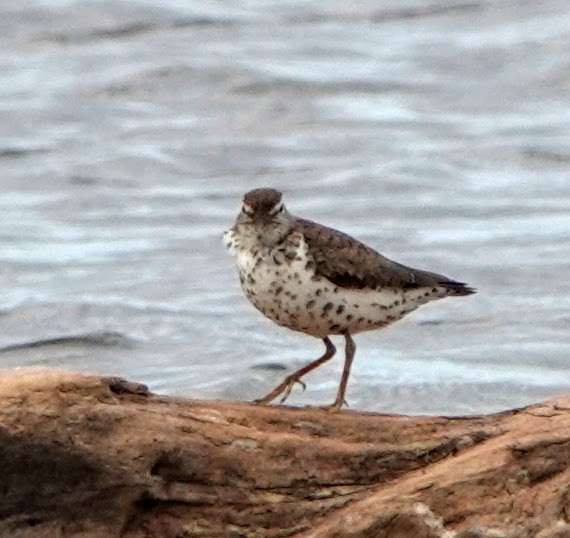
{"x": 322, "y": 282}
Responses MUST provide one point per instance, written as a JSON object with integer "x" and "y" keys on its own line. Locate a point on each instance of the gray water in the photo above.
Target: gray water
{"x": 436, "y": 131}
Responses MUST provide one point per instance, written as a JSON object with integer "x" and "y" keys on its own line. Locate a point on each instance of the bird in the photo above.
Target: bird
{"x": 316, "y": 280}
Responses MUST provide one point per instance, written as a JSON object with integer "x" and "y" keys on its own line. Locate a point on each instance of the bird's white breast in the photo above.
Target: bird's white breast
{"x": 282, "y": 283}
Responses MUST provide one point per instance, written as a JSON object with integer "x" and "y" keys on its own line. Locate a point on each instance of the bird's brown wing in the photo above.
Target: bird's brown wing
{"x": 348, "y": 263}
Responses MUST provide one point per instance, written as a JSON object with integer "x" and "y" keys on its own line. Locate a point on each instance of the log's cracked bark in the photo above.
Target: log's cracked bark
{"x": 84, "y": 456}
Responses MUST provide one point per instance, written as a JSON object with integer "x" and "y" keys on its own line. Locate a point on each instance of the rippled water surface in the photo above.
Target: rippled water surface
{"x": 438, "y": 132}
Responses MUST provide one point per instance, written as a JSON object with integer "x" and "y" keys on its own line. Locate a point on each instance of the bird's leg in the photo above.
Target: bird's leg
{"x": 295, "y": 377}
{"x": 350, "y": 350}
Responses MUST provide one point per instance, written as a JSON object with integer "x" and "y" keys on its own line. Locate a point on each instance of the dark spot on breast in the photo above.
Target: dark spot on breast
{"x": 335, "y": 327}
{"x": 310, "y": 304}
{"x": 250, "y": 280}
{"x": 340, "y": 309}
{"x": 396, "y": 303}
{"x": 319, "y": 292}
{"x": 310, "y": 265}
{"x": 278, "y": 290}
{"x": 296, "y": 275}
{"x": 356, "y": 306}
{"x": 349, "y": 317}
{"x": 298, "y": 259}
{"x": 327, "y": 307}
{"x": 360, "y": 320}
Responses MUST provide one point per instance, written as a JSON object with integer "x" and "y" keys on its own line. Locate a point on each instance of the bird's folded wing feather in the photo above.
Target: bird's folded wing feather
{"x": 349, "y": 263}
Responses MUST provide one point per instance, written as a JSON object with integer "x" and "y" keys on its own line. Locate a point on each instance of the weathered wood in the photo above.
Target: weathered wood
{"x": 86, "y": 456}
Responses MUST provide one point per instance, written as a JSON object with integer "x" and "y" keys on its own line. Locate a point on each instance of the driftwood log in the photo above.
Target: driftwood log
{"x": 86, "y": 456}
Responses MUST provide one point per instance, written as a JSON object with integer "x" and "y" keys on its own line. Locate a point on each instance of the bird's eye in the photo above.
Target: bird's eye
{"x": 247, "y": 211}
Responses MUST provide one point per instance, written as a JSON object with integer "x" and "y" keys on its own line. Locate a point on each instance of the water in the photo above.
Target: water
{"x": 437, "y": 132}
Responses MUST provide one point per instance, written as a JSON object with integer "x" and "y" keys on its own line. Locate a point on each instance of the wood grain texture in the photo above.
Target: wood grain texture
{"x": 85, "y": 456}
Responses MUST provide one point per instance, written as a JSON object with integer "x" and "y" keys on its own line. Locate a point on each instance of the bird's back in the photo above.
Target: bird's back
{"x": 351, "y": 264}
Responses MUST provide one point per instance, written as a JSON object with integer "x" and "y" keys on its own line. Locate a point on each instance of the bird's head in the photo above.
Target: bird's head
{"x": 264, "y": 216}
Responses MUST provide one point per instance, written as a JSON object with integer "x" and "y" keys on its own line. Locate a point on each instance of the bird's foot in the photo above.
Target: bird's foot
{"x": 335, "y": 407}
{"x": 286, "y": 386}
{"x": 290, "y": 388}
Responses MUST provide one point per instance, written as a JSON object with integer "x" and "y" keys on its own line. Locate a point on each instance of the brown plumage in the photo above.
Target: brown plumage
{"x": 262, "y": 200}
{"x": 348, "y": 263}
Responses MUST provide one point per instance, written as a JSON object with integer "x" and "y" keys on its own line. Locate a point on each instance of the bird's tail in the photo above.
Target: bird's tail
{"x": 457, "y": 289}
